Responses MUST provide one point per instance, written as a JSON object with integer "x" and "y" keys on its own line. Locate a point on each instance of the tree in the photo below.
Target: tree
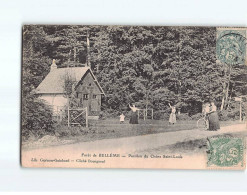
{"x": 36, "y": 115}
{"x": 146, "y": 65}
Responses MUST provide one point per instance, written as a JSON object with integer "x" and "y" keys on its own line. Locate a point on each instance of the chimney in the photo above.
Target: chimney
{"x": 53, "y": 66}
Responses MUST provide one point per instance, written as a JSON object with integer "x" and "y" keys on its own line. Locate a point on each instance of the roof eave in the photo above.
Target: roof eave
{"x": 95, "y": 80}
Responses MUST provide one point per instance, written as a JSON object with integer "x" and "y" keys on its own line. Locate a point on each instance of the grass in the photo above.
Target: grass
{"x": 110, "y": 128}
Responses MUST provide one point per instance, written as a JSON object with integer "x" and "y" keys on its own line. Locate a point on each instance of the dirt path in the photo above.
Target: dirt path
{"x": 82, "y": 154}
{"x": 136, "y": 143}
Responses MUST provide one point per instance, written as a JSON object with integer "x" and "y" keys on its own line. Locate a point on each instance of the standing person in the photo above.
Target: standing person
{"x": 206, "y": 111}
{"x": 122, "y": 118}
{"x": 206, "y": 108}
{"x": 134, "y": 116}
{"x": 213, "y": 118}
{"x": 172, "y": 118}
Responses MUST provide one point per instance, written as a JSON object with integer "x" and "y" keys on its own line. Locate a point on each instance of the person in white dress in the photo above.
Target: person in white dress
{"x": 122, "y": 118}
{"x": 206, "y": 112}
{"x": 172, "y": 118}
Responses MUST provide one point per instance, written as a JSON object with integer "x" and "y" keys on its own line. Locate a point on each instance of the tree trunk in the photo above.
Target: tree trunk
{"x": 223, "y": 97}
{"x": 97, "y": 68}
{"x": 226, "y": 90}
{"x": 88, "y": 50}
{"x": 222, "y": 102}
{"x": 229, "y": 101}
{"x": 228, "y": 84}
{"x": 146, "y": 102}
{"x": 74, "y": 54}
{"x": 69, "y": 55}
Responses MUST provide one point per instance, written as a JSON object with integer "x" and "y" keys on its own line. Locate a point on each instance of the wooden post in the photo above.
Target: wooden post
{"x": 68, "y": 117}
{"x": 144, "y": 114}
{"x": 152, "y": 114}
{"x": 138, "y": 114}
{"x": 239, "y": 99}
{"x": 86, "y": 117}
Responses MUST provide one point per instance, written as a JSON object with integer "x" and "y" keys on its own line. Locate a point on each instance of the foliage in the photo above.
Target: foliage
{"x": 36, "y": 118}
{"x": 143, "y": 65}
{"x": 65, "y": 131}
{"x": 184, "y": 116}
{"x": 232, "y": 113}
{"x": 36, "y": 115}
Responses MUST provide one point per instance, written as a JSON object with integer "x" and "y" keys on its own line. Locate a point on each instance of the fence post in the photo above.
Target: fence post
{"x": 138, "y": 114}
{"x": 152, "y": 114}
{"x": 86, "y": 117}
{"x": 144, "y": 114}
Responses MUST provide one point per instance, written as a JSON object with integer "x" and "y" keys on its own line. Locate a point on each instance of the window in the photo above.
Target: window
{"x": 94, "y": 96}
{"x": 85, "y": 96}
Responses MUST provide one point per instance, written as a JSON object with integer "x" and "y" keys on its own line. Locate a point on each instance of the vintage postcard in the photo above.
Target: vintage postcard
{"x": 154, "y": 97}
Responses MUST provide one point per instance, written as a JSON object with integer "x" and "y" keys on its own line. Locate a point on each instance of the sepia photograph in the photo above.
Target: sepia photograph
{"x": 123, "y": 96}
{"x": 133, "y": 97}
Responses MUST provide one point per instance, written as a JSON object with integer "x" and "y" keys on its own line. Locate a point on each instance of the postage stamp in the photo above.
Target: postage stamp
{"x": 225, "y": 152}
{"x": 231, "y": 46}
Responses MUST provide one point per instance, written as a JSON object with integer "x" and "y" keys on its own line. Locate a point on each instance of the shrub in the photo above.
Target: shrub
{"x": 225, "y": 115}
{"x": 65, "y": 131}
{"x": 106, "y": 114}
{"x": 232, "y": 112}
{"x": 161, "y": 115}
{"x": 196, "y": 116}
{"x": 102, "y": 115}
{"x": 62, "y": 132}
{"x": 183, "y": 116}
{"x": 36, "y": 118}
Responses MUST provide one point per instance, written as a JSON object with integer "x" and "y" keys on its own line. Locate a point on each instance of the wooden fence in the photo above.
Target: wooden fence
{"x": 77, "y": 117}
{"x": 145, "y": 114}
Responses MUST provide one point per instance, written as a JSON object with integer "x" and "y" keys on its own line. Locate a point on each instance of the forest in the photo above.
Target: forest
{"x": 149, "y": 66}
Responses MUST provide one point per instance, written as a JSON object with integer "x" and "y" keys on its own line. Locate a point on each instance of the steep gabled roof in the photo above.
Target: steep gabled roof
{"x": 54, "y": 81}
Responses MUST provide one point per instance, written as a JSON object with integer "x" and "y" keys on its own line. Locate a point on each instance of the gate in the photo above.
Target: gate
{"x": 77, "y": 117}
{"x": 145, "y": 114}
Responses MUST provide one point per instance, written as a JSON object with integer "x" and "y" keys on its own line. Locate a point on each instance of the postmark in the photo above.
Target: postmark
{"x": 231, "y": 46}
{"x": 225, "y": 152}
